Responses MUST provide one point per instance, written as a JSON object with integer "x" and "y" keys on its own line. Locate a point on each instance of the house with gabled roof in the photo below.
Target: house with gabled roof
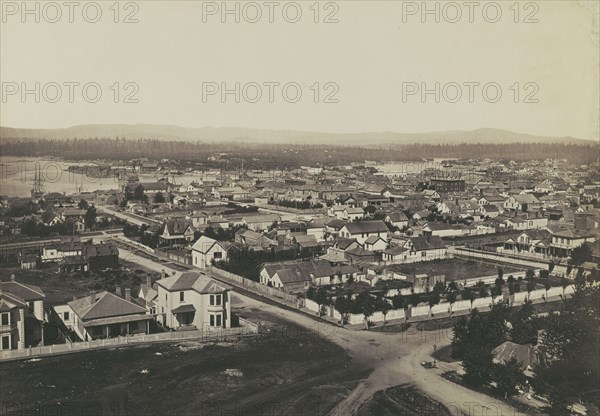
{"x": 397, "y": 219}
{"x": 564, "y": 241}
{"x": 207, "y": 250}
{"x": 353, "y": 214}
{"x": 260, "y": 222}
{"x": 306, "y": 241}
{"x": 21, "y": 315}
{"x": 375, "y": 243}
{"x": 526, "y": 355}
{"x": 443, "y": 229}
{"x": 416, "y": 249}
{"x": 192, "y": 300}
{"x": 147, "y": 296}
{"x": 253, "y": 239}
{"x": 491, "y": 211}
{"x": 361, "y": 231}
{"x": 293, "y": 276}
{"x": 177, "y": 231}
{"x": 104, "y": 315}
{"x": 521, "y": 202}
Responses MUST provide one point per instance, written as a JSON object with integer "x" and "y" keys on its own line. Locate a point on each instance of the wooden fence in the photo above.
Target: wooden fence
{"x": 220, "y": 334}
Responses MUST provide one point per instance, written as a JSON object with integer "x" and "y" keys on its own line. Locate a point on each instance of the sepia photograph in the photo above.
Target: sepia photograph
{"x": 300, "y": 208}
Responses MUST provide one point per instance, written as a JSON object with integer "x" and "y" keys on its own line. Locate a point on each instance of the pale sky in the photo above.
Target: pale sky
{"x": 374, "y": 52}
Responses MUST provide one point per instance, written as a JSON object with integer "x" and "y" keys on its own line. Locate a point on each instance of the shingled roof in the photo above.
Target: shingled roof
{"x": 196, "y": 281}
{"x": 376, "y": 226}
{"x": 104, "y": 305}
{"x": 25, "y": 292}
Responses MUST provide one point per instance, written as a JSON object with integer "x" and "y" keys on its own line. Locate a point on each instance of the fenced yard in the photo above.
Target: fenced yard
{"x": 221, "y": 334}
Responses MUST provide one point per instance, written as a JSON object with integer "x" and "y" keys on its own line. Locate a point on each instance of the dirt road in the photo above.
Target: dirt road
{"x": 395, "y": 358}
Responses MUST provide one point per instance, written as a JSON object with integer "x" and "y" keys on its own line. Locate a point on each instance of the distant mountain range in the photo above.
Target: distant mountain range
{"x": 232, "y": 134}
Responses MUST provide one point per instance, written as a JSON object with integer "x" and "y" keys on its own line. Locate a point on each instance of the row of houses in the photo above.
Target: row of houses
{"x": 183, "y": 301}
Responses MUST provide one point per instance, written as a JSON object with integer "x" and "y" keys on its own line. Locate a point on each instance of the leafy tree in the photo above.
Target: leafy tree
{"x": 530, "y": 286}
{"x": 414, "y": 299}
{"x": 83, "y": 204}
{"x": 569, "y": 268}
{"x": 500, "y": 272}
{"x": 159, "y": 198}
{"x": 90, "y": 217}
{"x": 451, "y": 297}
{"x": 495, "y": 291}
{"x": 529, "y": 274}
{"x": 478, "y": 366}
{"x": 342, "y": 305}
{"x": 572, "y": 338}
{"x": 439, "y": 287}
{"x": 433, "y": 299}
{"x": 321, "y": 298}
{"x": 499, "y": 282}
{"x": 524, "y": 328}
{"x": 384, "y": 306}
{"x": 581, "y": 254}
{"x": 482, "y": 289}
{"x": 367, "y": 306}
{"x": 398, "y": 301}
{"x": 138, "y": 194}
{"x": 508, "y": 377}
{"x": 468, "y": 294}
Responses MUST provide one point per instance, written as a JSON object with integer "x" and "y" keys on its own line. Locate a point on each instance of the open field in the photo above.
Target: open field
{"x": 275, "y": 373}
{"x": 455, "y": 269}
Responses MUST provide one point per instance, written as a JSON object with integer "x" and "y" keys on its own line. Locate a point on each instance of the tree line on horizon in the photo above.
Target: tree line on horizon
{"x": 290, "y": 155}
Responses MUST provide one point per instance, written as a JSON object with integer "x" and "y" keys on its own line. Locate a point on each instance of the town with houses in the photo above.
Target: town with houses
{"x": 363, "y": 247}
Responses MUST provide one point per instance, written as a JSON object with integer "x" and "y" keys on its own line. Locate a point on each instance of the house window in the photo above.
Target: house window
{"x": 423, "y": 253}
{"x": 181, "y": 296}
{"x": 218, "y": 300}
{"x": 216, "y": 320}
{"x": 30, "y": 306}
{"x": 66, "y": 316}
{"x": 217, "y": 255}
{"x": 6, "y": 342}
{"x": 6, "y": 318}
{"x": 212, "y": 300}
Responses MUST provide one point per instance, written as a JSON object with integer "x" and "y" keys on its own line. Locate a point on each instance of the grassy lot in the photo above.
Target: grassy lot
{"x": 402, "y": 400}
{"x": 454, "y": 269}
{"x": 61, "y": 287}
{"x": 274, "y": 374}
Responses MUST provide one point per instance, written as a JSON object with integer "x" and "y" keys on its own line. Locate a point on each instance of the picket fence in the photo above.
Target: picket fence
{"x": 221, "y": 334}
{"x": 444, "y": 307}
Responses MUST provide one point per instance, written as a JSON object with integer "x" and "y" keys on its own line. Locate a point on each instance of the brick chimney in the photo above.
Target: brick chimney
{"x": 149, "y": 281}
{"x": 118, "y": 290}
{"x": 128, "y": 294}
{"x": 74, "y": 297}
{"x": 12, "y": 278}
{"x": 92, "y": 297}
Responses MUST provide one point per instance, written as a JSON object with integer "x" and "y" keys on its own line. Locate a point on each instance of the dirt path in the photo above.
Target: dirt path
{"x": 395, "y": 358}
